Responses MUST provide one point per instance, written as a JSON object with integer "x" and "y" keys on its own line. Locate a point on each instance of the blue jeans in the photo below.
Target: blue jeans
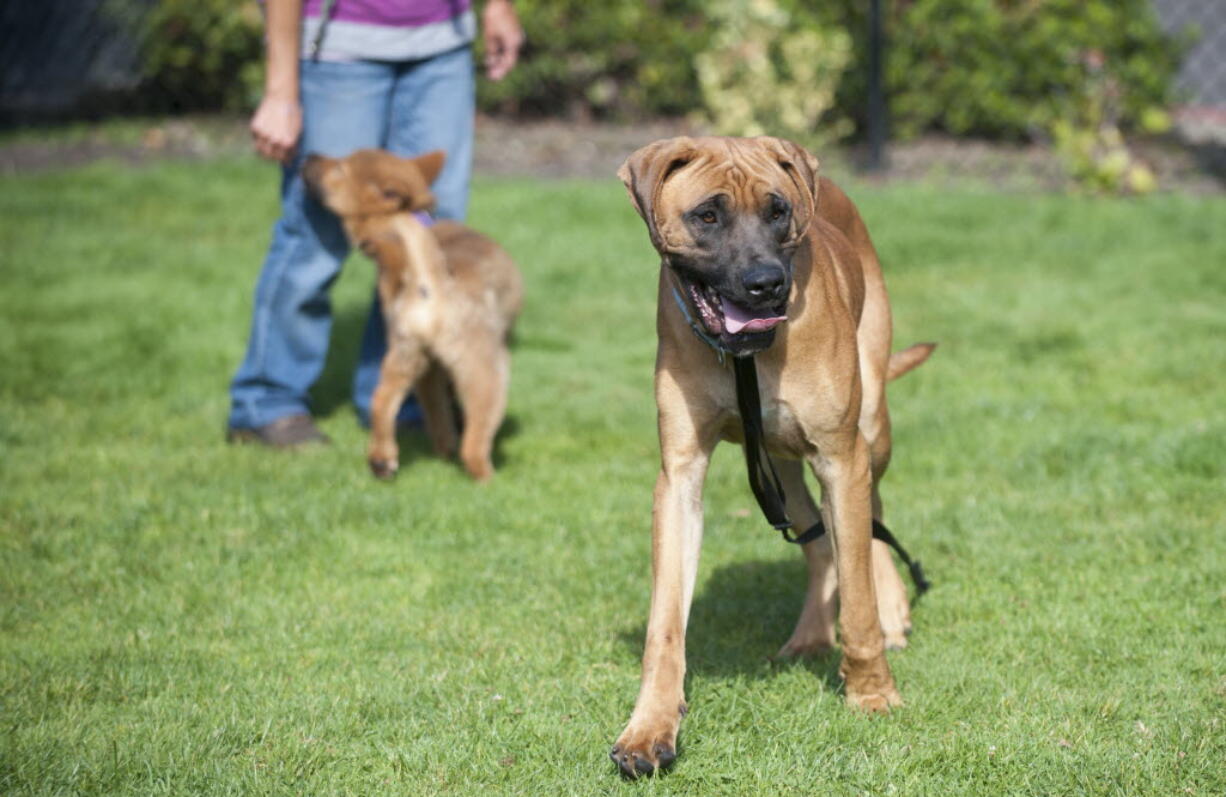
{"x": 407, "y": 108}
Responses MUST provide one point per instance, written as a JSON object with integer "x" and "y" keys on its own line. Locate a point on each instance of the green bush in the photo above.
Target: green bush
{"x": 998, "y": 68}
{"x": 1088, "y": 139}
{"x": 1012, "y": 68}
{"x": 766, "y": 73}
{"x": 995, "y": 68}
{"x": 203, "y": 55}
{"x": 618, "y": 58}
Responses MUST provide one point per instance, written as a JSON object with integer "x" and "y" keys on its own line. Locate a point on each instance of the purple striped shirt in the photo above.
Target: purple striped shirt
{"x": 387, "y": 30}
{"x": 391, "y": 13}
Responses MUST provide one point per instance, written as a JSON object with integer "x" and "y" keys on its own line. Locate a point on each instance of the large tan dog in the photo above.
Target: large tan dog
{"x": 449, "y": 296}
{"x": 767, "y": 258}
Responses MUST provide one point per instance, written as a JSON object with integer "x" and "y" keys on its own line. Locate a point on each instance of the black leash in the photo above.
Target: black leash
{"x": 764, "y": 481}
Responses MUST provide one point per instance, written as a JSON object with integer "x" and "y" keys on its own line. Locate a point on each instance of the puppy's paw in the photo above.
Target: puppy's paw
{"x": 384, "y": 469}
{"x": 479, "y": 468}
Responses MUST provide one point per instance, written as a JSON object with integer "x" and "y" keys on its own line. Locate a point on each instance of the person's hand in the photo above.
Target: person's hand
{"x": 275, "y": 128}
{"x": 502, "y": 36}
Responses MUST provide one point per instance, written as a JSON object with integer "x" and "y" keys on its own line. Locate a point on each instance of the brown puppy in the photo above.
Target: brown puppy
{"x": 767, "y": 259}
{"x": 449, "y": 296}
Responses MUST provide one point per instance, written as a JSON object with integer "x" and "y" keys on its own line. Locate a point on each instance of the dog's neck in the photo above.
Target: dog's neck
{"x": 425, "y": 263}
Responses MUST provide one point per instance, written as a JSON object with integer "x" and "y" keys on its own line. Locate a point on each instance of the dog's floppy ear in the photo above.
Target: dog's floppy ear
{"x": 645, "y": 172}
{"x": 802, "y": 167}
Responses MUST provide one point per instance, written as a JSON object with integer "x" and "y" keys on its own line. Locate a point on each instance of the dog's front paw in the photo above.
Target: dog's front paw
{"x": 645, "y": 748}
{"x": 870, "y": 686}
{"x": 383, "y": 468}
{"x": 875, "y": 702}
{"x": 643, "y": 758}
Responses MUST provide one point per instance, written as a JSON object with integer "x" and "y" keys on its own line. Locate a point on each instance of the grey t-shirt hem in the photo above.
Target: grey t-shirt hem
{"x": 356, "y": 41}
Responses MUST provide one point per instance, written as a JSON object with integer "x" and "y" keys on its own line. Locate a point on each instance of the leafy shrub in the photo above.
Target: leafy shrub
{"x": 203, "y": 55}
{"x": 1012, "y": 68}
{"x": 765, "y": 73}
{"x": 1088, "y": 139}
{"x": 998, "y": 68}
{"x": 617, "y": 58}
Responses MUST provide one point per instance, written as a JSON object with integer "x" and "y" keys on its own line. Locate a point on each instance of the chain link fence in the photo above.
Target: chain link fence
{"x": 1201, "y": 86}
{"x": 68, "y": 57}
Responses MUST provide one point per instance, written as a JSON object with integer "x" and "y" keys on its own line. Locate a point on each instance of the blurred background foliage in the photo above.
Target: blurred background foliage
{"x": 769, "y": 69}
{"x": 1009, "y": 68}
{"x": 623, "y": 59}
{"x": 1078, "y": 74}
{"x": 996, "y": 68}
{"x": 201, "y": 55}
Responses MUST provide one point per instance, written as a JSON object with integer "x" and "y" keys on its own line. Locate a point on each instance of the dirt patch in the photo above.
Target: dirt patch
{"x": 555, "y": 149}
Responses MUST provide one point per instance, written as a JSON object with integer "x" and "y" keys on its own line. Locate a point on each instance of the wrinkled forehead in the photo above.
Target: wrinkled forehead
{"x": 746, "y": 175}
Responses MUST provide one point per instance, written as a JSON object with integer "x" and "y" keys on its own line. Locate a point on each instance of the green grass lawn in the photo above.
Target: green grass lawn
{"x": 178, "y": 616}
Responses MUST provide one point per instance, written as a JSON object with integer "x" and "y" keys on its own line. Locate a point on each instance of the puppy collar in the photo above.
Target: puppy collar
{"x": 423, "y": 218}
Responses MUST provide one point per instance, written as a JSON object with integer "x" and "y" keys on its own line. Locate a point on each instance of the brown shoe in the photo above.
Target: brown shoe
{"x": 290, "y": 431}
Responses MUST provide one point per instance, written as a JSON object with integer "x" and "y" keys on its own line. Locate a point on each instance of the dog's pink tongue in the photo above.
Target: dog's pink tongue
{"x": 741, "y": 319}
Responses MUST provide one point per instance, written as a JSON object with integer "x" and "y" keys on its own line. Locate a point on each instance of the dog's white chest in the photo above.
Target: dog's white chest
{"x": 417, "y": 316}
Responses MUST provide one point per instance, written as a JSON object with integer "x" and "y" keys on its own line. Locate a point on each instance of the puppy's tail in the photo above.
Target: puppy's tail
{"x": 908, "y": 358}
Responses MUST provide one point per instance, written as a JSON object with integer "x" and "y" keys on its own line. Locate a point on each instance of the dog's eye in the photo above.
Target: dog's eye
{"x": 708, "y": 217}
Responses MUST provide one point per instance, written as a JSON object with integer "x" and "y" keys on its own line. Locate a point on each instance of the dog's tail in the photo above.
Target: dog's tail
{"x": 908, "y": 358}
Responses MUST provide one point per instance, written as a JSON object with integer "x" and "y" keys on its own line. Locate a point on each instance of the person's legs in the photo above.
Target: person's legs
{"x": 432, "y": 108}
{"x": 345, "y": 107}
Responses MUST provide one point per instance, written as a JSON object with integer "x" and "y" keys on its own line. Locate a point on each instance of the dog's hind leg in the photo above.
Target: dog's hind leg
{"x": 402, "y": 365}
{"x": 815, "y": 629}
{"x": 842, "y": 465}
{"x": 438, "y": 411}
{"x": 481, "y": 380}
{"x": 814, "y": 633}
{"x": 893, "y": 608}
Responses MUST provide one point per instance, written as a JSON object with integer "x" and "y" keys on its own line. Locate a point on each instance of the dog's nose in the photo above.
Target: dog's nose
{"x": 765, "y": 283}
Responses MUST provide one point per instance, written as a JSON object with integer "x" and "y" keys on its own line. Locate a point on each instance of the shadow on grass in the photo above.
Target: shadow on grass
{"x": 744, "y": 614}
{"x": 334, "y": 388}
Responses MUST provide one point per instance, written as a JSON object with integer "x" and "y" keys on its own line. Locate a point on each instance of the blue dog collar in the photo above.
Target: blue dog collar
{"x": 720, "y": 351}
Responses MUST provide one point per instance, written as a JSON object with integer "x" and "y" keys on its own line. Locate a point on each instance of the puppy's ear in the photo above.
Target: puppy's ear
{"x": 407, "y": 180}
{"x": 645, "y": 172}
{"x": 431, "y": 165}
{"x": 802, "y": 167}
